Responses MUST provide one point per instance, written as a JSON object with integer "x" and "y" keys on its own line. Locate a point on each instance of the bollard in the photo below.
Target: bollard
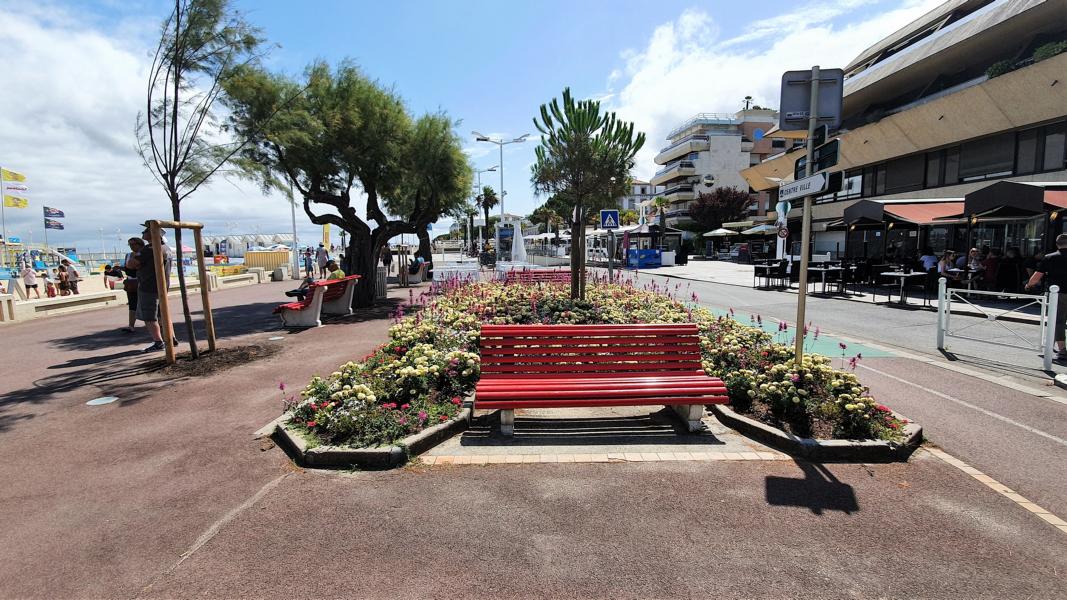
{"x": 942, "y": 288}
{"x": 1050, "y": 325}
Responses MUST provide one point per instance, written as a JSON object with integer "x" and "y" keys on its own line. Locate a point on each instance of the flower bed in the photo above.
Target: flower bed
{"x": 419, "y": 377}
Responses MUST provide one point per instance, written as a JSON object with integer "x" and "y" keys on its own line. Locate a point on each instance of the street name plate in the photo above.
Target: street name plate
{"x": 809, "y": 186}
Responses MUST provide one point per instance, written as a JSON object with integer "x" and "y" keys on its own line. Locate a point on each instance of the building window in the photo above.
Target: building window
{"x": 879, "y": 180}
{"x": 868, "y": 182}
{"x": 952, "y": 166}
{"x": 851, "y": 185}
{"x": 777, "y": 143}
{"x": 905, "y": 174}
{"x": 934, "y": 162}
{"x": 644, "y": 190}
{"x": 988, "y": 157}
{"x": 1055, "y": 146}
{"x": 1026, "y": 154}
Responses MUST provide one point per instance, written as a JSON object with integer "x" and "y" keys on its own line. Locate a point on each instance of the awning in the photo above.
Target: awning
{"x": 720, "y": 232}
{"x": 925, "y": 213}
{"x": 761, "y": 230}
{"x": 739, "y": 224}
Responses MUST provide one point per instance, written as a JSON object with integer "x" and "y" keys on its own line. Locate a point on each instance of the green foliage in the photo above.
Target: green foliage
{"x": 629, "y": 217}
{"x": 584, "y": 159}
{"x": 346, "y": 130}
{"x": 1000, "y": 68}
{"x": 1049, "y": 50}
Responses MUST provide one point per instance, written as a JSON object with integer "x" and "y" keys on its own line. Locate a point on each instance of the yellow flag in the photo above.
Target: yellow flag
{"x": 12, "y": 176}
{"x": 15, "y": 202}
{"x": 326, "y": 235}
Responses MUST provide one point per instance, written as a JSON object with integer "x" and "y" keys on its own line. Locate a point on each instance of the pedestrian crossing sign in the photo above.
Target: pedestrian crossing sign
{"x": 609, "y": 219}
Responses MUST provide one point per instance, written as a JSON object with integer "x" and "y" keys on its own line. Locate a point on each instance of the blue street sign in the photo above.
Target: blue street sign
{"x": 609, "y": 219}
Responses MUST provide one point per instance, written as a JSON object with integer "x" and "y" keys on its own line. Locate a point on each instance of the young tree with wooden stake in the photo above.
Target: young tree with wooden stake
{"x": 202, "y": 42}
{"x": 584, "y": 157}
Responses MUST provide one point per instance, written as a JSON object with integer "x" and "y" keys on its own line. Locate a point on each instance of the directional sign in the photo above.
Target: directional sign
{"x": 794, "y": 107}
{"x": 818, "y": 184}
{"x": 825, "y": 157}
{"x": 609, "y": 219}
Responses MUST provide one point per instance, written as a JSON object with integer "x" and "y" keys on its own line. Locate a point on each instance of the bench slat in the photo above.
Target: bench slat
{"x": 618, "y": 368}
{"x": 586, "y": 402}
{"x": 569, "y": 359}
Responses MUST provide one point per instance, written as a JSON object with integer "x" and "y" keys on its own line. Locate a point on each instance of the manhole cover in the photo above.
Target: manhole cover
{"x": 102, "y": 400}
{"x": 276, "y": 338}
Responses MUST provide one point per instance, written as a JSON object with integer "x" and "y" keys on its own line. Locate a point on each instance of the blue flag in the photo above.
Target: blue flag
{"x": 52, "y": 224}
{"x": 54, "y": 213}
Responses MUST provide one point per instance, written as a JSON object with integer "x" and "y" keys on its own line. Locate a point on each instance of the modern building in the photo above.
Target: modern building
{"x": 710, "y": 150}
{"x": 640, "y": 191}
{"x": 954, "y": 135}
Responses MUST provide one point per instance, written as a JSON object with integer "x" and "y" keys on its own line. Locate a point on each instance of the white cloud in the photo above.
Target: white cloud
{"x": 70, "y": 100}
{"x": 685, "y": 68}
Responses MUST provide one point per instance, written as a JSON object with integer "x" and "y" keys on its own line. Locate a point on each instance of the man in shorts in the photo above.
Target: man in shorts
{"x": 72, "y": 277}
{"x": 29, "y": 278}
{"x": 148, "y": 293}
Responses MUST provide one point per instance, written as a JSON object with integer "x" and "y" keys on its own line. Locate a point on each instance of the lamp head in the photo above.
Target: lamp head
{"x": 521, "y": 138}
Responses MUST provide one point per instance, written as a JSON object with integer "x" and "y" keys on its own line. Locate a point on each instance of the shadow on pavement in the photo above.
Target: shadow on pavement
{"x": 818, "y": 491}
{"x": 657, "y": 428}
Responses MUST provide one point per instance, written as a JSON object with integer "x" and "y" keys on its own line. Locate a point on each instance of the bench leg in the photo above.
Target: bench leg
{"x": 507, "y": 422}
{"x": 691, "y": 414}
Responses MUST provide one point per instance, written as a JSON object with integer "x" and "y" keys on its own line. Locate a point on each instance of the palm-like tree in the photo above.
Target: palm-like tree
{"x": 584, "y": 155}
{"x": 487, "y": 200}
{"x": 660, "y": 204}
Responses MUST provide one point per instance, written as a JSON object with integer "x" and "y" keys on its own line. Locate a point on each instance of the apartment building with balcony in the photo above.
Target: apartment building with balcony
{"x": 954, "y": 136}
{"x": 640, "y": 192}
{"x": 710, "y": 150}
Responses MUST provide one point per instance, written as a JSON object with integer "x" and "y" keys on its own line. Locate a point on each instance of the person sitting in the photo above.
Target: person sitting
{"x": 946, "y": 263}
{"x": 928, "y": 260}
{"x": 334, "y": 271}
{"x": 301, "y": 292}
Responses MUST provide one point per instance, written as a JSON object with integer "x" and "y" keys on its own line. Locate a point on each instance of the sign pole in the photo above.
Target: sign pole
{"x": 3, "y": 217}
{"x": 813, "y": 121}
{"x": 611, "y": 256}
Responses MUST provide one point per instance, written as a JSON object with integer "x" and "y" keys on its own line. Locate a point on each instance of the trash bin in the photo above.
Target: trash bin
{"x": 379, "y": 282}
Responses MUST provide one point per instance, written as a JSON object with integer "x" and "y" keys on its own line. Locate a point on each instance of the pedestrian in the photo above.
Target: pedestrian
{"x": 61, "y": 277}
{"x": 1052, "y": 270}
{"x": 309, "y": 262}
{"x": 51, "y": 283}
{"x": 72, "y": 277}
{"x": 322, "y": 255}
{"x": 387, "y": 258}
{"x": 29, "y": 279}
{"x": 129, "y": 284}
{"x": 148, "y": 293}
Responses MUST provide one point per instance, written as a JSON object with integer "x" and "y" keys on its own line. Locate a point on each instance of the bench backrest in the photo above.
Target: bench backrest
{"x": 335, "y": 288}
{"x": 537, "y": 275}
{"x": 589, "y": 350}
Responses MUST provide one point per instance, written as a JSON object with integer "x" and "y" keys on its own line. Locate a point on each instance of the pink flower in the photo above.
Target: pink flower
{"x": 457, "y": 401}
{"x": 405, "y": 406}
{"x": 281, "y": 385}
{"x": 443, "y": 418}
{"x": 311, "y": 423}
{"x": 423, "y": 415}
{"x": 842, "y": 345}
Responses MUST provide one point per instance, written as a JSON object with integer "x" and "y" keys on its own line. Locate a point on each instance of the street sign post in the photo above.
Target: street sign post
{"x": 794, "y": 110}
{"x": 802, "y": 101}
{"x": 609, "y": 219}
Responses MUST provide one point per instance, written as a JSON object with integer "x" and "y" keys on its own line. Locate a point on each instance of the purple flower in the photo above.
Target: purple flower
{"x": 423, "y": 415}
{"x": 842, "y": 345}
{"x": 281, "y": 385}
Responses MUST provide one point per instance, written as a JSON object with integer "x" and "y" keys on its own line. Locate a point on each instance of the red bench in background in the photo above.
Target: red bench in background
{"x": 329, "y": 296}
{"x": 561, "y": 366}
{"x": 538, "y": 276}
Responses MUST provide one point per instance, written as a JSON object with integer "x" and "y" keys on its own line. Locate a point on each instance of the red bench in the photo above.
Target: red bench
{"x": 562, "y": 366}
{"x": 538, "y": 276}
{"x": 329, "y": 296}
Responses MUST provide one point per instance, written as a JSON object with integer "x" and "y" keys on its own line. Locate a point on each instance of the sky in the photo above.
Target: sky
{"x": 74, "y": 76}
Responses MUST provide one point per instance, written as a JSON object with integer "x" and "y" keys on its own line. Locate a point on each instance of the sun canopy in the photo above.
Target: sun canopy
{"x": 720, "y": 232}
{"x": 761, "y": 230}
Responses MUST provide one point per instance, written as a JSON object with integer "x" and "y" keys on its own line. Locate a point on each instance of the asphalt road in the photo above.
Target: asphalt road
{"x": 1017, "y": 438}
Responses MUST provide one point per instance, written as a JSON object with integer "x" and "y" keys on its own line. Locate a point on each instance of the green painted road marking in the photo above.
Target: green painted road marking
{"x": 827, "y": 345}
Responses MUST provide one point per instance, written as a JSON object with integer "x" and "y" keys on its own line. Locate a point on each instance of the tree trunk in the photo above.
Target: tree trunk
{"x": 176, "y": 210}
{"x": 577, "y": 251}
{"x": 363, "y": 261}
{"x": 487, "y": 228}
{"x": 425, "y": 250}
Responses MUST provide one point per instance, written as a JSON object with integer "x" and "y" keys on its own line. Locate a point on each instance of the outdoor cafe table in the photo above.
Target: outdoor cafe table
{"x": 972, "y": 275}
{"x": 823, "y": 271}
{"x": 766, "y": 273}
{"x": 903, "y": 277}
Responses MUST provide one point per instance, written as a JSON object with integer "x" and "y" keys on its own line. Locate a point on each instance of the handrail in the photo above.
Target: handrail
{"x": 689, "y": 138}
{"x": 678, "y": 164}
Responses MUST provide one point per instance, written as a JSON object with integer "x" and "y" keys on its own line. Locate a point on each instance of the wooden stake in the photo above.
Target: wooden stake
{"x": 209, "y": 321}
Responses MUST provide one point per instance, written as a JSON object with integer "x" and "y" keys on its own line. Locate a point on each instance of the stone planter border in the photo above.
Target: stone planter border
{"x": 383, "y": 457}
{"x": 823, "y": 450}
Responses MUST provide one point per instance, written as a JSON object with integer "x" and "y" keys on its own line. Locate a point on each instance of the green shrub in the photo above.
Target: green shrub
{"x": 1000, "y": 68}
{"x": 1049, "y": 50}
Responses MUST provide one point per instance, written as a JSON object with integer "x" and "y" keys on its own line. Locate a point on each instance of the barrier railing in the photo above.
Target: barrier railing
{"x": 1047, "y": 303}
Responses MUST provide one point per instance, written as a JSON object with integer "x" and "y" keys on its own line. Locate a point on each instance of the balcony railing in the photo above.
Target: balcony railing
{"x": 689, "y": 138}
{"x": 681, "y": 164}
{"x": 678, "y": 189}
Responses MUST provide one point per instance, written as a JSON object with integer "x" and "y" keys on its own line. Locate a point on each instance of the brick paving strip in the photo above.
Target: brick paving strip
{"x": 1001, "y": 489}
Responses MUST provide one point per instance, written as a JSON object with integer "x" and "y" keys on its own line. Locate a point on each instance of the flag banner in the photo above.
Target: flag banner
{"x": 15, "y": 202}
{"x": 16, "y": 187}
{"x": 11, "y": 175}
{"x": 55, "y": 213}
{"x": 52, "y": 224}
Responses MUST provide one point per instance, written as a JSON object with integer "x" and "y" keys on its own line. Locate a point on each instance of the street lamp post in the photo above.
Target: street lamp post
{"x": 481, "y": 137}
{"x": 478, "y": 191}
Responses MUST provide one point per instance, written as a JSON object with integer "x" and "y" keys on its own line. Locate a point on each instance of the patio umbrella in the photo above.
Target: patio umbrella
{"x": 720, "y": 232}
{"x": 761, "y": 230}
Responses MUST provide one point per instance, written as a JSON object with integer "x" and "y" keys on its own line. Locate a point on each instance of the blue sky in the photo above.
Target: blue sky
{"x": 488, "y": 64}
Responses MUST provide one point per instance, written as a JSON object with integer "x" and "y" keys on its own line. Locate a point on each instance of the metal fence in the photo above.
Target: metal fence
{"x": 1018, "y": 339}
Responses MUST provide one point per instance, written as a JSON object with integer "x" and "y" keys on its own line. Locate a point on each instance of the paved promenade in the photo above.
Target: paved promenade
{"x": 168, "y": 493}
